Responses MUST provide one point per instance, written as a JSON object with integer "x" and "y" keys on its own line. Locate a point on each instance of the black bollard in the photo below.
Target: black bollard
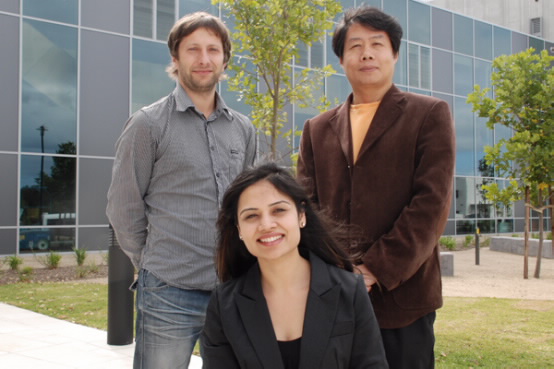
{"x": 120, "y": 298}
{"x": 477, "y": 247}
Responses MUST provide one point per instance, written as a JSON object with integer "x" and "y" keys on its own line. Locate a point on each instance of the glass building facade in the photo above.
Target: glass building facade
{"x": 74, "y": 70}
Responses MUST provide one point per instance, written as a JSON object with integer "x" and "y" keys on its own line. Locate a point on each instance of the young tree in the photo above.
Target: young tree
{"x": 266, "y": 36}
{"x": 523, "y": 86}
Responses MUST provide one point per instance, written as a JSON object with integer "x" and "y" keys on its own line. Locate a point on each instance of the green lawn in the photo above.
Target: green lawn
{"x": 470, "y": 332}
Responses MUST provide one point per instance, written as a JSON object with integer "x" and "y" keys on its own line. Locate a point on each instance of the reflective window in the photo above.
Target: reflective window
{"x": 463, "y": 117}
{"x": 463, "y": 35}
{"x": 483, "y": 71}
{"x": 44, "y": 239}
{"x": 150, "y": 80}
{"x": 419, "y": 66}
{"x": 442, "y": 71}
{"x": 484, "y": 208}
{"x": 375, "y": 3}
{"x": 486, "y": 226}
{"x": 419, "y": 22}
{"x": 49, "y": 86}
{"x": 48, "y": 188}
{"x": 94, "y": 181}
{"x": 232, "y": 98}
{"x": 332, "y": 58}
{"x": 483, "y": 40}
{"x": 502, "y": 42}
{"x": 65, "y": 11}
{"x": 505, "y": 225}
{"x": 142, "y": 18}
{"x": 401, "y": 68}
{"x": 8, "y": 184}
{"x": 191, "y": 6}
{"x": 9, "y": 241}
{"x": 316, "y": 50}
{"x": 519, "y": 42}
{"x": 338, "y": 88}
{"x": 483, "y": 137}
{"x": 442, "y": 28}
{"x": 9, "y": 92}
{"x": 425, "y": 72}
{"x": 398, "y": 9}
{"x": 413, "y": 65}
{"x": 463, "y": 75}
{"x": 536, "y": 43}
{"x": 165, "y": 18}
{"x": 302, "y": 59}
{"x": 465, "y": 198}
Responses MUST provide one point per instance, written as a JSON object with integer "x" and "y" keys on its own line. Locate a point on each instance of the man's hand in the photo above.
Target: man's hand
{"x": 369, "y": 278}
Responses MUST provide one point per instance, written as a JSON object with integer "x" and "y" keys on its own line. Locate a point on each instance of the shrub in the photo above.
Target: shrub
{"x": 448, "y": 242}
{"x": 80, "y": 256}
{"x": 81, "y": 271}
{"x": 26, "y": 274}
{"x": 13, "y": 262}
{"x": 468, "y": 240}
{"x": 549, "y": 236}
{"x": 486, "y": 242}
{"x": 51, "y": 260}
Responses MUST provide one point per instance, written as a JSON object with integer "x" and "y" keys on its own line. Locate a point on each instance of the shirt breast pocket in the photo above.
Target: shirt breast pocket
{"x": 236, "y": 162}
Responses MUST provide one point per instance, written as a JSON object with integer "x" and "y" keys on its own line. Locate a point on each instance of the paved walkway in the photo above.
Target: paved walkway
{"x": 29, "y": 341}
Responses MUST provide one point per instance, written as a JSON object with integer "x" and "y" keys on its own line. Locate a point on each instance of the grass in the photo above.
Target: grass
{"x": 470, "y": 332}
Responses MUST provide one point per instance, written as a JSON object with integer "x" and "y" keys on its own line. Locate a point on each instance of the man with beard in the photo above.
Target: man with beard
{"x": 174, "y": 160}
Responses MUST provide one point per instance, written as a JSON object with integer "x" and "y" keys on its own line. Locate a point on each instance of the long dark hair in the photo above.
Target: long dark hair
{"x": 318, "y": 236}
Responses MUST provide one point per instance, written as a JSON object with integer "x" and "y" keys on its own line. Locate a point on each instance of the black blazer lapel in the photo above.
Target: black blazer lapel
{"x": 257, "y": 321}
{"x": 320, "y": 315}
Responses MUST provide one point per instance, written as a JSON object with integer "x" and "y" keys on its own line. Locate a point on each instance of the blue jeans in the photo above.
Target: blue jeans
{"x": 169, "y": 322}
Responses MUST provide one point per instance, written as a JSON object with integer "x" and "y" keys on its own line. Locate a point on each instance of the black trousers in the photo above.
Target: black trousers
{"x": 411, "y": 347}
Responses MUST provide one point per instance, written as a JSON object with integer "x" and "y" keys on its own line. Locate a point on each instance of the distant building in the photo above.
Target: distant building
{"x": 74, "y": 70}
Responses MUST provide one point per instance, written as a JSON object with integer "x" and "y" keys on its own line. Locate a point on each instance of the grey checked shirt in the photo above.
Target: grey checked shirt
{"x": 171, "y": 169}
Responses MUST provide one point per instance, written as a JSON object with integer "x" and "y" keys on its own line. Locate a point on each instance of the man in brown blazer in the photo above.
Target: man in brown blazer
{"x": 383, "y": 162}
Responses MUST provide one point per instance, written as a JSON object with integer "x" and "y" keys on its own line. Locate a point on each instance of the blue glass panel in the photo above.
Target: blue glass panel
{"x": 502, "y": 42}
{"x": 425, "y": 67}
{"x": 419, "y": 22}
{"x": 46, "y": 239}
{"x": 442, "y": 28}
{"x": 332, "y": 58}
{"x": 483, "y": 71}
{"x": 463, "y": 117}
{"x": 463, "y": 75}
{"x": 375, "y": 3}
{"x": 413, "y": 65}
{"x": 519, "y": 42}
{"x": 65, "y": 11}
{"x": 398, "y": 9}
{"x": 483, "y": 40}
{"x": 401, "y": 68}
{"x": 49, "y": 86}
{"x": 150, "y": 81}
{"x": 338, "y": 88}
{"x": 317, "y": 59}
{"x": 233, "y": 99}
{"x": 536, "y": 43}
{"x": 483, "y": 137}
{"x": 165, "y": 18}
{"x": 464, "y": 196}
{"x": 142, "y": 18}
{"x": 463, "y": 35}
{"x": 302, "y": 58}
{"x": 48, "y": 189}
{"x": 442, "y": 71}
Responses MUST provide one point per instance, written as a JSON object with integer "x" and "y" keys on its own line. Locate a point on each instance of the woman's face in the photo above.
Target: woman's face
{"x": 269, "y": 222}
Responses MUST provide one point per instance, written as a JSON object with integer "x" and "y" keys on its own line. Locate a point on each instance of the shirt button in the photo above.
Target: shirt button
{"x": 212, "y": 148}
{"x": 217, "y": 175}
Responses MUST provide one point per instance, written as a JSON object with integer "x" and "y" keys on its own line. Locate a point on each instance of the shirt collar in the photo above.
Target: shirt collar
{"x": 183, "y": 102}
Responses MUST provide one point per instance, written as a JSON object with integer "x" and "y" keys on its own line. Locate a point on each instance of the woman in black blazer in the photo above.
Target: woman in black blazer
{"x": 289, "y": 299}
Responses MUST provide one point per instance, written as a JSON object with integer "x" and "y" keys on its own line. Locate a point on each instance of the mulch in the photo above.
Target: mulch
{"x": 60, "y": 274}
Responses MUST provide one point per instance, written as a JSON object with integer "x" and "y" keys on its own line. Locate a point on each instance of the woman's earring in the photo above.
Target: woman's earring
{"x": 302, "y": 225}
{"x": 240, "y": 236}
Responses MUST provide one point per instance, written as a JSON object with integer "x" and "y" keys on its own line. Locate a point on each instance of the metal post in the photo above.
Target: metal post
{"x": 477, "y": 246}
{"x": 120, "y": 298}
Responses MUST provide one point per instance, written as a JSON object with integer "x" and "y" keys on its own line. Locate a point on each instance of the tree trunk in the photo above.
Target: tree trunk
{"x": 541, "y": 238}
{"x": 526, "y": 235}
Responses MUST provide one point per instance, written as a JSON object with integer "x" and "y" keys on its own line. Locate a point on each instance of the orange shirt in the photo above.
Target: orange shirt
{"x": 361, "y": 116}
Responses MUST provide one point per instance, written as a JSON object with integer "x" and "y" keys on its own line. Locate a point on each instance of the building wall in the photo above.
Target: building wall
{"x": 513, "y": 14}
{"x": 74, "y": 70}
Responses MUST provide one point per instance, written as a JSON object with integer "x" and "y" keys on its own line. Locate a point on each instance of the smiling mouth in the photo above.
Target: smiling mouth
{"x": 270, "y": 239}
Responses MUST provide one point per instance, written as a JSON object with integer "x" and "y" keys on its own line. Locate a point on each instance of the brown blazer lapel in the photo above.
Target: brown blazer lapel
{"x": 340, "y": 124}
{"x": 320, "y": 315}
{"x": 390, "y": 109}
{"x": 257, "y": 322}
